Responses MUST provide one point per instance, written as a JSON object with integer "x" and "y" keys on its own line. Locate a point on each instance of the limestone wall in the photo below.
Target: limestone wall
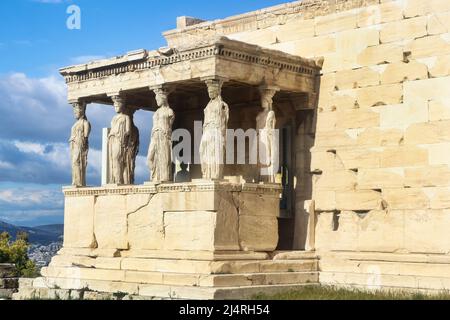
{"x": 204, "y": 216}
{"x": 381, "y": 146}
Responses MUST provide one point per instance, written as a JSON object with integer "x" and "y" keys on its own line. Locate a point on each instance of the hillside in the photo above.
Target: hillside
{"x": 42, "y": 235}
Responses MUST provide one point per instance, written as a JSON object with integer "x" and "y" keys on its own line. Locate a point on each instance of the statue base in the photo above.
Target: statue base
{"x": 199, "y": 240}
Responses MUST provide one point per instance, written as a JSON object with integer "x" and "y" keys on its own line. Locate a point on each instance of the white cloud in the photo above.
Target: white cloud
{"x": 28, "y": 147}
{"x": 35, "y": 129}
{"x": 6, "y": 165}
{"x": 22, "y": 196}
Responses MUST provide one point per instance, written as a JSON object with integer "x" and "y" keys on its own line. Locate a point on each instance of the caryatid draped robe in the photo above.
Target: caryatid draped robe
{"x": 118, "y": 140}
{"x": 160, "y": 151}
{"x": 131, "y": 154}
{"x": 212, "y": 146}
{"x": 79, "y": 148}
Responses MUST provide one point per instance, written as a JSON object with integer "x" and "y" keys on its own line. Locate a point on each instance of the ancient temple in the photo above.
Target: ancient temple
{"x": 351, "y": 103}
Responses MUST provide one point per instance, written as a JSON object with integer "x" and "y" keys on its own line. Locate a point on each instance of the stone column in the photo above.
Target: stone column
{"x": 118, "y": 142}
{"x": 212, "y": 146}
{"x": 79, "y": 144}
{"x": 160, "y": 151}
{"x": 268, "y": 137}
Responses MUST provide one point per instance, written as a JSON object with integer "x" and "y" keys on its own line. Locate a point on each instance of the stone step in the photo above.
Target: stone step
{"x": 66, "y": 278}
{"x": 156, "y": 292}
{"x": 379, "y": 281}
{"x": 388, "y": 266}
{"x": 185, "y": 266}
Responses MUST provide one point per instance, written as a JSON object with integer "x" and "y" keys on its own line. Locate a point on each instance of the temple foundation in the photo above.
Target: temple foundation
{"x": 199, "y": 240}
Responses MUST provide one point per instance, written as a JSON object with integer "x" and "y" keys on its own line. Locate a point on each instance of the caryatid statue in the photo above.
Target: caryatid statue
{"x": 118, "y": 142}
{"x": 132, "y": 150}
{"x": 79, "y": 145}
{"x": 160, "y": 151}
{"x": 268, "y": 137}
{"x": 212, "y": 146}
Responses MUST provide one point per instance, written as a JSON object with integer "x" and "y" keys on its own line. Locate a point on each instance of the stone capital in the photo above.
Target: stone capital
{"x": 162, "y": 88}
{"x": 214, "y": 79}
{"x": 267, "y": 93}
{"x": 78, "y": 104}
{"x": 118, "y": 99}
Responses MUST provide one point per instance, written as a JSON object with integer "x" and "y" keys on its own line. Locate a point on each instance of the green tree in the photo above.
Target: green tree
{"x": 17, "y": 252}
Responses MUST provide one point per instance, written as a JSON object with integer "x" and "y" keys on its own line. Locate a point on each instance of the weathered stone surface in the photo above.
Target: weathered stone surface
{"x": 349, "y": 44}
{"x": 380, "y": 54}
{"x": 432, "y": 176}
{"x": 336, "y": 180}
{"x": 405, "y": 199}
{"x": 110, "y": 222}
{"x": 358, "y": 200}
{"x": 400, "y": 72}
{"x": 197, "y": 231}
{"x": 414, "y": 8}
{"x": 358, "y": 118}
{"x": 426, "y": 232}
{"x": 404, "y": 156}
{"x": 429, "y": 46}
{"x": 357, "y": 78}
{"x": 359, "y": 158}
{"x": 438, "y": 154}
{"x": 380, "y": 95}
{"x": 336, "y": 22}
{"x": 317, "y": 46}
{"x": 428, "y": 133}
{"x": 438, "y": 66}
{"x": 423, "y": 91}
{"x": 380, "y": 178}
{"x": 403, "y": 30}
{"x": 79, "y": 222}
{"x": 254, "y": 205}
{"x": 326, "y": 121}
{"x": 294, "y": 30}
{"x": 438, "y": 22}
{"x": 376, "y": 14}
{"x": 258, "y": 233}
{"x": 439, "y": 110}
{"x": 402, "y": 116}
{"x": 325, "y": 200}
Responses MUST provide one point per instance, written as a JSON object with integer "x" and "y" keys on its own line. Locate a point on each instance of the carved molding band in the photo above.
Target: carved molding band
{"x": 266, "y": 189}
{"x": 222, "y": 48}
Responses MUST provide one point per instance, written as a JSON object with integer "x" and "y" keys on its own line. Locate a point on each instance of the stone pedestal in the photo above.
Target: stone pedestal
{"x": 200, "y": 240}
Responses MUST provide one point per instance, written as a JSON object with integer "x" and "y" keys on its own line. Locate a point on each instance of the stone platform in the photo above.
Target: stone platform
{"x": 187, "y": 276}
{"x": 428, "y": 273}
{"x": 200, "y": 240}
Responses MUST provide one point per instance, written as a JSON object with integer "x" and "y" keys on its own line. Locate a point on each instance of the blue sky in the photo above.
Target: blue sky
{"x": 35, "y": 118}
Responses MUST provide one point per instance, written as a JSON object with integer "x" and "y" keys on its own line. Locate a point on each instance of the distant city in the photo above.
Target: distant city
{"x": 45, "y": 241}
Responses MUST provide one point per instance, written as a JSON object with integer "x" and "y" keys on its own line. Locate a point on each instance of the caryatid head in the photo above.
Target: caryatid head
{"x": 162, "y": 97}
{"x": 267, "y": 95}
{"x": 119, "y": 104}
{"x": 79, "y": 110}
{"x": 214, "y": 88}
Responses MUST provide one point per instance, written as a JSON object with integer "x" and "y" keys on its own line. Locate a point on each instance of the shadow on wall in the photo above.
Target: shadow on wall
{"x": 294, "y": 227}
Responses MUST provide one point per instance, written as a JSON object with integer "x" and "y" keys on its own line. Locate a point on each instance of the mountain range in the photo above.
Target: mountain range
{"x": 42, "y": 235}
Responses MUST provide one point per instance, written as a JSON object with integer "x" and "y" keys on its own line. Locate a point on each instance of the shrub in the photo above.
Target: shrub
{"x": 16, "y": 252}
